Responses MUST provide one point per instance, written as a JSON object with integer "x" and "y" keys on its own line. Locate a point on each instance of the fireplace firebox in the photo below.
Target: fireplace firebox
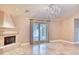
{"x": 9, "y": 40}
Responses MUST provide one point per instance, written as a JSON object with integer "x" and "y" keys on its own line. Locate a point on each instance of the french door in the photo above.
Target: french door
{"x": 39, "y": 33}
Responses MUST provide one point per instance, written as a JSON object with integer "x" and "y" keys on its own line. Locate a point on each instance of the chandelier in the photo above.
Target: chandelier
{"x": 54, "y": 11}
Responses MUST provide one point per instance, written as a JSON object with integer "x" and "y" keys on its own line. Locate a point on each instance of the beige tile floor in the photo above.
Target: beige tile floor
{"x": 56, "y": 48}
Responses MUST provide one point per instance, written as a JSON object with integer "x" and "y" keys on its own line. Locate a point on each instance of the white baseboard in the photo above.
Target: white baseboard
{"x": 65, "y": 41}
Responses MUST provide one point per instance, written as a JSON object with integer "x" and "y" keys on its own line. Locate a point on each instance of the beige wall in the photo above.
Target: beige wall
{"x": 67, "y": 29}
{"x": 62, "y": 30}
{"x": 55, "y": 30}
{"x": 58, "y": 30}
{"x": 23, "y": 28}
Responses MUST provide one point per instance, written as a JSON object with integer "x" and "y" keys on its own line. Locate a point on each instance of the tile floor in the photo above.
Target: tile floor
{"x": 56, "y": 48}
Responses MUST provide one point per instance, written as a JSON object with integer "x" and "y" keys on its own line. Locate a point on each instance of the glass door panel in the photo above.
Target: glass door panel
{"x": 43, "y": 32}
{"x": 35, "y": 33}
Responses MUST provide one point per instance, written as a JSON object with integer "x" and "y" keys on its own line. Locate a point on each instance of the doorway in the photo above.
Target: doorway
{"x": 39, "y": 32}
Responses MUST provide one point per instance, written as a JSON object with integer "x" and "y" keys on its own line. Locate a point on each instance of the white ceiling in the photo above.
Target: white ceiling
{"x": 39, "y": 10}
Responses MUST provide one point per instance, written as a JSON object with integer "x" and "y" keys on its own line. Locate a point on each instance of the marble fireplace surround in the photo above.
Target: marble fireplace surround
{"x": 5, "y": 48}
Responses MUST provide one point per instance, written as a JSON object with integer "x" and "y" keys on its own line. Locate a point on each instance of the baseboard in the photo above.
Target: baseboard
{"x": 65, "y": 41}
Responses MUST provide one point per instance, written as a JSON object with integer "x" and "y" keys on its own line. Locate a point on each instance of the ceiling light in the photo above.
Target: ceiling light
{"x": 54, "y": 10}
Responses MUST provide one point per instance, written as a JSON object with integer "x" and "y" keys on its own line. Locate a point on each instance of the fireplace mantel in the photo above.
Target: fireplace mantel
{"x": 8, "y": 33}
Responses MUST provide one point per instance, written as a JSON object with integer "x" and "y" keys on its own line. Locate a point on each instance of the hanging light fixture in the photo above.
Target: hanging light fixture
{"x": 54, "y": 11}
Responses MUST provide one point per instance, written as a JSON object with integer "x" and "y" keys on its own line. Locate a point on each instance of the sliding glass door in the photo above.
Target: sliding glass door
{"x": 39, "y": 33}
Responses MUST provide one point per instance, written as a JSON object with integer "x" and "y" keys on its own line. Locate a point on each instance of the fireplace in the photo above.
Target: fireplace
{"x": 9, "y": 40}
